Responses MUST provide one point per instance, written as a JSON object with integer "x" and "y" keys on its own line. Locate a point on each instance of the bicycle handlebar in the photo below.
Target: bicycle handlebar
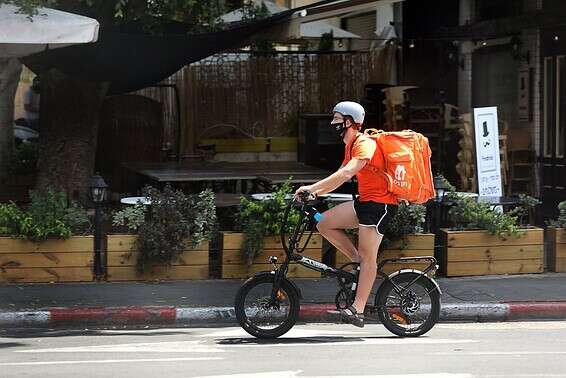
{"x": 307, "y": 213}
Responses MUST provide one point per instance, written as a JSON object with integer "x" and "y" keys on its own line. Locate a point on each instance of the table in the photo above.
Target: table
{"x": 135, "y": 200}
{"x": 220, "y": 200}
{"x": 331, "y": 197}
{"x": 227, "y": 173}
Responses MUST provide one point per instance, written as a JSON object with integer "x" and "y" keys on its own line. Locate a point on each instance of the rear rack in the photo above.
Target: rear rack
{"x": 403, "y": 260}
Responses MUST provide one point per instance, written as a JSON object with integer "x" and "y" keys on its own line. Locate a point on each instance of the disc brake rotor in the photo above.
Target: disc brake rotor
{"x": 410, "y": 304}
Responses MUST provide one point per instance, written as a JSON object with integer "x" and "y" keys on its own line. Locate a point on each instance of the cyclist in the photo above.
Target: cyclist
{"x": 370, "y": 212}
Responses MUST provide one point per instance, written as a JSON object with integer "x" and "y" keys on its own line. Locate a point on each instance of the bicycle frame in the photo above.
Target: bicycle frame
{"x": 294, "y": 254}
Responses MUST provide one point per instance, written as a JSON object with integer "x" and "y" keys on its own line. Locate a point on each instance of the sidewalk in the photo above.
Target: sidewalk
{"x": 489, "y": 298}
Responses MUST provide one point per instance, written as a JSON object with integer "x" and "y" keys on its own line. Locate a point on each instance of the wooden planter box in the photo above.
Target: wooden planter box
{"x": 57, "y": 260}
{"x": 122, "y": 258}
{"x": 557, "y": 261}
{"x": 476, "y": 253}
{"x": 235, "y": 266}
{"x": 413, "y": 246}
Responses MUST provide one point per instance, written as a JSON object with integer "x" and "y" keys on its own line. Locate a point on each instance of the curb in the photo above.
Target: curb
{"x": 311, "y": 313}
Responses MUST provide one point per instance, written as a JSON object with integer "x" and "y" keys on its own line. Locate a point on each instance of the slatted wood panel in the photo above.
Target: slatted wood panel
{"x": 61, "y": 260}
{"x": 475, "y": 253}
{"x": 413, "y": 246}
{"x": 122, "y": 258}
{"x": 558, "y": 236}
{"x": 235, "y": 266}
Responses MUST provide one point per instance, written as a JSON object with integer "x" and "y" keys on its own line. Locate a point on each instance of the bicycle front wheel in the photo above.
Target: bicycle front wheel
{"x": 412, "y": 311}
{"x": 259, "y": 314}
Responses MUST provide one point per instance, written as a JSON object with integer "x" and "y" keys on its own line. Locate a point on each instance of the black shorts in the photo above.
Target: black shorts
{"x": 374, "y": 214}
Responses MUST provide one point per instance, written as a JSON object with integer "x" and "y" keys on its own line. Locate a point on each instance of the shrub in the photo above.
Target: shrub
{"x": 263, "y": 218}
{"x": 48, "y": 216}
{"x": 172, "y": 223}
{"x": 469, "y": 215}
{"x": 560, "y": 222}
{"x": 408, "y": 220}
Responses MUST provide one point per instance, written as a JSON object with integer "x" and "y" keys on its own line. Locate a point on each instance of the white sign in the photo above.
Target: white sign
{"x": 487, "y": 152}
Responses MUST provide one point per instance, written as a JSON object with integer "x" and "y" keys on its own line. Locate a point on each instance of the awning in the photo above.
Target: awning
{"x": 21, "y": 35}
{"x": 135, "y": 60}
{"x": 132, "y": 61}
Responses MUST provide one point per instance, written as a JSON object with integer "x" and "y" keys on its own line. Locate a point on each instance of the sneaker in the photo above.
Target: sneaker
{"x": 351, "y": 316}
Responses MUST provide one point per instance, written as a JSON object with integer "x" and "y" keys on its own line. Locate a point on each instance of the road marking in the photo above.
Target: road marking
{"x": 496, "y": 353}
{"x": 273, "y": 374}
{"x": 159, "y": 347}
{"x": 504, "y": 326}
{"x": 70, "y": 362}
{"x": 294, "y": 374}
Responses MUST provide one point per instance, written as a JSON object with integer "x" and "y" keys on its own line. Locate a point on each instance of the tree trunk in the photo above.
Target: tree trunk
{"x": 10, "y": 70}
{"x": 68, "y": 127}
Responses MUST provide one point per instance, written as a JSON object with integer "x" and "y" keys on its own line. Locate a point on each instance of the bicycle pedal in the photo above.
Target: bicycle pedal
{"x": 333, "y": 312}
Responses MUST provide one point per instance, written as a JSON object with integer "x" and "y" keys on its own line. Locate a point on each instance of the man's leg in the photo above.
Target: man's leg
{"x": 334, "y": 222}
{"x": 369, "y": 240}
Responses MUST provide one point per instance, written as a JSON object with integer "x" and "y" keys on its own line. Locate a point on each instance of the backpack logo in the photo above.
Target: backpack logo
{"x": 400, "y": 172}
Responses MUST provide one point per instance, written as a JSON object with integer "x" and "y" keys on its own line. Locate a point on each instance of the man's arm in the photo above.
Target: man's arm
{"x": 339, "y": 177}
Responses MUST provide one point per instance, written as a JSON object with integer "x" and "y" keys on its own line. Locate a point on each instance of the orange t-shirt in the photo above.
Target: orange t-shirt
{"x": 372, "y": 184}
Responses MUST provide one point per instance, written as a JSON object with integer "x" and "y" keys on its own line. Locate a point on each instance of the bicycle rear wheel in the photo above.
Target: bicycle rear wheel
{"x": 413, "y": 311}
{"x": 259, "y": 315}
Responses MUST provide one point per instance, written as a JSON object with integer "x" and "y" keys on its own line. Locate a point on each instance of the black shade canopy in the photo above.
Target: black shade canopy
{"x": 132, "y": 61}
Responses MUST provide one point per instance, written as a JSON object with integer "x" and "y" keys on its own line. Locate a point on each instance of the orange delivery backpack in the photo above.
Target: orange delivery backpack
{"x": 407, "y": 157}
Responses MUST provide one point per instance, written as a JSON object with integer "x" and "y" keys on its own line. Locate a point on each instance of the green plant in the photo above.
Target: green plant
{"x": 449, "y": 187}
{"x": 10, "y": 218}
{"x": 174, "y": 222}
{"x": 560, "y": 222}
{"x": 131, "y": 217}
{"x": 524, "y": 211}
{"x": 48, "y": 216}
{"x": 262, "y": 218}
{"x": 409, "y": 219}
{"x": 468, "y": 214}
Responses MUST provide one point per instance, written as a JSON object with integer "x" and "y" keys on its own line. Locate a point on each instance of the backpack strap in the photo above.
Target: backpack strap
{"x": 353, "y": 180}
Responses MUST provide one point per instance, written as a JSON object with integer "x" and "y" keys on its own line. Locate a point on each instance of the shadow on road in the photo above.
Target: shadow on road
{"x": 11, "y": 345}
{"x": 297, "y": 340}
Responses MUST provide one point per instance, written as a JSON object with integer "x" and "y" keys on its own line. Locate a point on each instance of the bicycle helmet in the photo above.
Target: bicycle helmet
{"x": 352, "y": 109}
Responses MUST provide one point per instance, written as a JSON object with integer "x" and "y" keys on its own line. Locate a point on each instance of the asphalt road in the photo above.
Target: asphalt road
{"x": 535, "y": 349}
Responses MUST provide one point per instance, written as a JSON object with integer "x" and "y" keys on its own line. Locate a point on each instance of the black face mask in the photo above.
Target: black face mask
{"x": 340, "y": 128}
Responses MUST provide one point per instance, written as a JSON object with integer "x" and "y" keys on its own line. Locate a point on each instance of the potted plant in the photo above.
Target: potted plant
{"x": 557, "y": 241}
{"x": 168, "y": 239}
{"x": 403, "y": 237}
{"x": 247, "y": 250}
{"x": 483, "y": 240}
{"x": 48, "y": 241}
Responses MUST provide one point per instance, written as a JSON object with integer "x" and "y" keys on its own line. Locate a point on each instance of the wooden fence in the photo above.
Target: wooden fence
{"x": 263, "y": 94}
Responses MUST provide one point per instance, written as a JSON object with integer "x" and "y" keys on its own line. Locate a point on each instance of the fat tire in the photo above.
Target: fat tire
{"x": 405, "y": 278}
{"x": 292, "y": 317}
